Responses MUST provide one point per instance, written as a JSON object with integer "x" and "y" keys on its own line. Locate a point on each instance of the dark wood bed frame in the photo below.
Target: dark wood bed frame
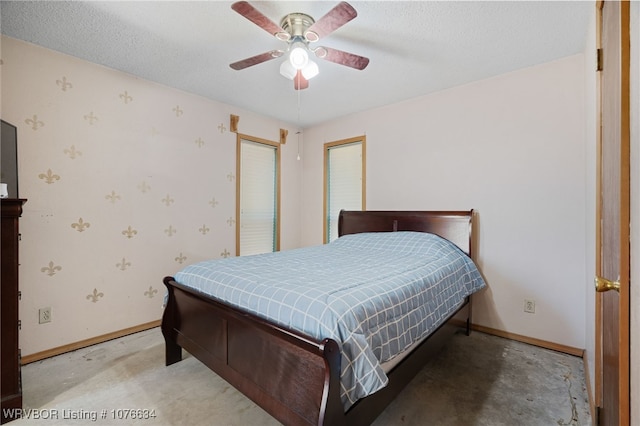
{"x": 294, "y": 377}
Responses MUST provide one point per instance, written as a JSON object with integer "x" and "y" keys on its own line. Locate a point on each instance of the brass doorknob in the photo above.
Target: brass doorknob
{"x": 603, "y": 284}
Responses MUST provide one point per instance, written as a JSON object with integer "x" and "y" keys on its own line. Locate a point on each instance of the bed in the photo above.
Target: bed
{"x": 296, "y": 374}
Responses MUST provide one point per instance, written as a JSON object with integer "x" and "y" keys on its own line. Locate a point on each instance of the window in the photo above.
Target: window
{"x": 258, "y": 195}
{"x": 344, "y": 188}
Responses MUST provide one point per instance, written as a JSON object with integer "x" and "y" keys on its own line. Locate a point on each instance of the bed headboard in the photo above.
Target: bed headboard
{"x": 455, "y": 226}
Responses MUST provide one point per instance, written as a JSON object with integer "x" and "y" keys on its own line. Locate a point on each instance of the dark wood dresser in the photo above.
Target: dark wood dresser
{"x": 10, "y": 385}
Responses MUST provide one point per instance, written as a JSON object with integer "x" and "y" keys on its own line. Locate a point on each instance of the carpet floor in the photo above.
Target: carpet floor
{"x": 476, "y": 380}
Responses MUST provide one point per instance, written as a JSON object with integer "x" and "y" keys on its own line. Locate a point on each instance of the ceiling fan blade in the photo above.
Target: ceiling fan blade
{"x": 255, "y": 16}
{"x": 342, "y": 13}
{"x": 299, "y": 82}
{"x": 343, "y": 58}
{"x": 255, "y": 60}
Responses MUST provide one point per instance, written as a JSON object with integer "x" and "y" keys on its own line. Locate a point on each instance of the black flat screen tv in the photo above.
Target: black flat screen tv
{"x": 9, "y": 158}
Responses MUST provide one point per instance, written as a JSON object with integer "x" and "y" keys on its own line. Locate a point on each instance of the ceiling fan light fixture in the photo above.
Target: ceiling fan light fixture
{"x": 299, "y": 31}
{"x": 311, "y": 70}
{"x": 287, "y": 70}
{"x": 299, "y": 57}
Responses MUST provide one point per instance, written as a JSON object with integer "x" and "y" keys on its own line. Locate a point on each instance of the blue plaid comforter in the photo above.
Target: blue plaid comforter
{"x": 374, "y": 293}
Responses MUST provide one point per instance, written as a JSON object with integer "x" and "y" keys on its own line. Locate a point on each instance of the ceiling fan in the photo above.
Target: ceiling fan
{"x": 299, "y": 31}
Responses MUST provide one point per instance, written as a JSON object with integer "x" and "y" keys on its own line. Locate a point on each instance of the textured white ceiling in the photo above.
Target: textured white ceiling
{"x": 415, "y": 47}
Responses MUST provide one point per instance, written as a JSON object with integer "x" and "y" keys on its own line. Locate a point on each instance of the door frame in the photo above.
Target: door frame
{"x": 624, "y": 314}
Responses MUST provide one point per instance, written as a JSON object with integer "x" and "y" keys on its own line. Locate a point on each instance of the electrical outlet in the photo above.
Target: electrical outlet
{"x": 529, "y": 306}
{"x": 44, "y": 315}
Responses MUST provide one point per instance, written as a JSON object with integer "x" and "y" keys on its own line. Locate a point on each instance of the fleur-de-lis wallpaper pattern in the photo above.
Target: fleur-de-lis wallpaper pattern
{"x": 127, "y": 181}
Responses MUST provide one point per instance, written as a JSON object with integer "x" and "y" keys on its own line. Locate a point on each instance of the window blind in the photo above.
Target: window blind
{"x": 258, "y": 206}
{"x": 344, "y": 183}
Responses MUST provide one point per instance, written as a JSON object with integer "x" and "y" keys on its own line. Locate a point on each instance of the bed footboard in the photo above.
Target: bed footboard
{"x": 294, "y": 378}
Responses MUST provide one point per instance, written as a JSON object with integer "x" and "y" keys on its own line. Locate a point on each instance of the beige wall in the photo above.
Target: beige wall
{"x": 513, "y": 147}
{"x": 127, "y": 181}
